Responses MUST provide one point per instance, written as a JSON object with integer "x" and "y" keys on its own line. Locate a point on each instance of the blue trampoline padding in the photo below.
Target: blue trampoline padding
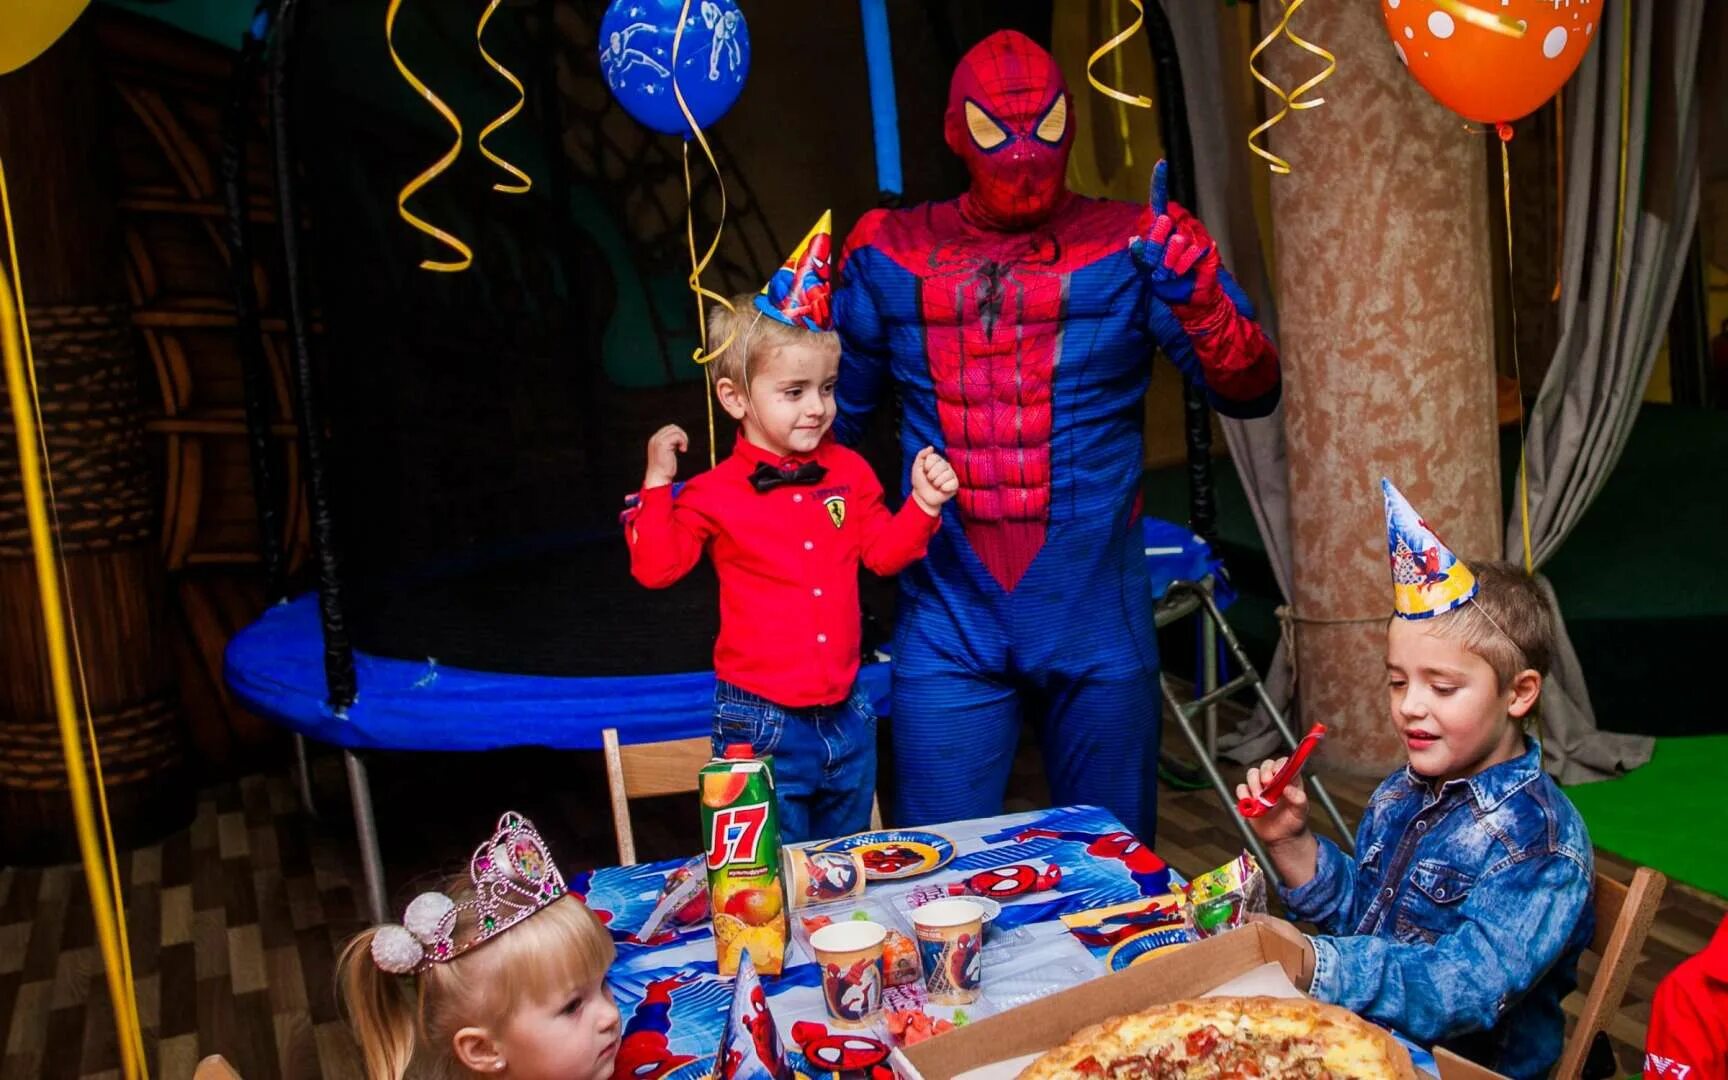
{"x": 276, "y": 668}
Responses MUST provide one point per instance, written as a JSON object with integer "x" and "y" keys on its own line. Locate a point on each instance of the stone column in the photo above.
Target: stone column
{"x": 1385, "y": 305}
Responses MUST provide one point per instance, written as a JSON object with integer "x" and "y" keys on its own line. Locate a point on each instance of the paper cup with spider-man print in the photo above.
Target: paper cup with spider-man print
{"x": 822, "y": 877}
{"x": 951, "y": 945}
{"x": 850, "y": 957}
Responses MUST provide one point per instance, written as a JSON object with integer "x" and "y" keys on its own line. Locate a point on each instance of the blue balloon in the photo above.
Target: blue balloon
{"x": 636, "y": 58}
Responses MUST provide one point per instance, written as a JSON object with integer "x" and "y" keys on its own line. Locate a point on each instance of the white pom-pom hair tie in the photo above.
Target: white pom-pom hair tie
{"x": 513, "y": 876}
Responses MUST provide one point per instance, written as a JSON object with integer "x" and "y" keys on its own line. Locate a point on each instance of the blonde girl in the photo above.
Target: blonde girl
{"x": 501, "y": 975}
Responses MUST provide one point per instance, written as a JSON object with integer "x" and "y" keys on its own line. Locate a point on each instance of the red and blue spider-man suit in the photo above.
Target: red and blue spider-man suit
{"x": 1017, "y": 324}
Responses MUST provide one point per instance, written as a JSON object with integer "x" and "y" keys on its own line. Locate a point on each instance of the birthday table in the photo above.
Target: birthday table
{"x": 674, "y": 1003}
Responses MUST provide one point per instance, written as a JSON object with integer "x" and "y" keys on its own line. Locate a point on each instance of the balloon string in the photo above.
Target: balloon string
{"x": 697, "y": 265}
{"x": 1559, "y": 190}
{"x": 509, "y": 114}
{"x": 1486, "y": 20}
{"x": 701, "y": 318}
{"x": 1137, "y": 100}
{"x": 1517, "y": 371}
{"x": 465, "y": 254}
{"x": 42, "y": 510}
{"x": 1625, "y": 133}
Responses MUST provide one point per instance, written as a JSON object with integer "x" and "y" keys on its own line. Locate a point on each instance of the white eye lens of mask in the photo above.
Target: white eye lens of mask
{"x": 985, "y": 131}
{"x": 1055, "y": 122}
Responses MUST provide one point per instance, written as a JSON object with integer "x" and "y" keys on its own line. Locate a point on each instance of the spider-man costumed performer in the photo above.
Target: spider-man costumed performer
{"x": 1017, "y": 324}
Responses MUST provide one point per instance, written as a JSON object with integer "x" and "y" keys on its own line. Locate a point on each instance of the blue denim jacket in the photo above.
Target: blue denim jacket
{"x": 1462, "y": 918}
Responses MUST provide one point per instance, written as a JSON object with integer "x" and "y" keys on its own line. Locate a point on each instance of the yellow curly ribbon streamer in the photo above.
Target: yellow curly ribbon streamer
{"x": 465, "y": 253}
{"x": 1309, "y": 46}
{"x": 1138, "y": 100}
{"x": 509, "y": 114}
{"x": 697, "y": 265}
{"x": 1277, "y": 164}
{"x": 1485, "y": 20}
{"x": 106, "y": 899}
{"x": 1292, "y": 101}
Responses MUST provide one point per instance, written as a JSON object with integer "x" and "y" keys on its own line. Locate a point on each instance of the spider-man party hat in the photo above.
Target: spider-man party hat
{"x": 1427, "y": 579}
{"x": 750, "y": 1044}
{"x": 798, "y": 293}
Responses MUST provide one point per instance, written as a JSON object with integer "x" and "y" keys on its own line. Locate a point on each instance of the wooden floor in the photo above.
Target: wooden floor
{"x": 234, "y": 922}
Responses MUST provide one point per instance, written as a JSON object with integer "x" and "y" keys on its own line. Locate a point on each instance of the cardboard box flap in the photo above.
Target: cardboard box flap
{"x": 1185, "y": 973}
{"x": 1189, "y": 972}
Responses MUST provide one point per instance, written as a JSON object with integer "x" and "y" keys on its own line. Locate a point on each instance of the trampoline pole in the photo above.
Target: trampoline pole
{"x": 1179, "y": 153}
{"x": 366, "y": 831}
{"x": 338, "y": 651}
{"x": 254, "y": 373}
{"x": 303, "y": 774}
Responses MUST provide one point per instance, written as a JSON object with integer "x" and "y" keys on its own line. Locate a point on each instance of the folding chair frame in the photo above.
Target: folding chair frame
{"x": 1195, "y": 597}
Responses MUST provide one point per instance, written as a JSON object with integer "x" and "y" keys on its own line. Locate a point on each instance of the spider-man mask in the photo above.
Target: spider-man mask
{"x": 1008, "y": 120}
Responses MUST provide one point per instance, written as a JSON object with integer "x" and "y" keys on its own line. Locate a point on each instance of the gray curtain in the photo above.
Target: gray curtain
{"x": 1613, "y": 316}
{"x": 1218, "y": 125}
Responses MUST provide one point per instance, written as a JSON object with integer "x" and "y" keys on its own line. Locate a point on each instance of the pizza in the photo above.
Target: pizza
{"x": 1227, "y": 1038}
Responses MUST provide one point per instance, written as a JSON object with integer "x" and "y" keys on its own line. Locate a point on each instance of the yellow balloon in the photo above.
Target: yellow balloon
{"x": 28, "y": 27}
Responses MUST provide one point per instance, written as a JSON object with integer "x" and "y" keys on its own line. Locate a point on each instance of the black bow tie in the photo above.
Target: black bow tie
{"x": 768, "y": 477}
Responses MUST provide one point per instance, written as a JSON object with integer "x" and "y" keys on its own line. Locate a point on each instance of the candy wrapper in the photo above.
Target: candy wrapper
{"x": 683, "y": 902}
{"x": 1224, "y": 898}
{"x": 750, "y": 1045}
{"x": 900, "y": 960}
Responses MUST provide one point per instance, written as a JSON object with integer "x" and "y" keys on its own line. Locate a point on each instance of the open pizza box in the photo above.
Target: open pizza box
{"x": 993, "y": 1048}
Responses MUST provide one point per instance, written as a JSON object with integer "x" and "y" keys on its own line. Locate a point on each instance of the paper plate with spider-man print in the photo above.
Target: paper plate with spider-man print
{"x": 1144, "y": 947}
{"x": 896, "y": 854}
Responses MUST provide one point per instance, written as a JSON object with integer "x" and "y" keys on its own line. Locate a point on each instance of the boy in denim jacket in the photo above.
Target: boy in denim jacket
{"x": 1462, "y": 917}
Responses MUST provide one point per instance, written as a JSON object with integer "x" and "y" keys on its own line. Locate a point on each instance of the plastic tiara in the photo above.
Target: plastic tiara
{"x": 513, "y": 877}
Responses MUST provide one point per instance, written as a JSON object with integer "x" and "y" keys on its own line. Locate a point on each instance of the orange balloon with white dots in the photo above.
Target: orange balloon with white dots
{"x": 1492, "y": 61}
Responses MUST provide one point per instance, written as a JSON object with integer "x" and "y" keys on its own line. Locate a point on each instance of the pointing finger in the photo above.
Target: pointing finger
{"x": 1160, "y": 187}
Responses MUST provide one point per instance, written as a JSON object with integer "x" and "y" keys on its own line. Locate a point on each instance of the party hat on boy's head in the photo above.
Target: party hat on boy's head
{"x": 1427, "y": 579}
{"x": 798, "y": 292}
{"x": 750, "y": 1044}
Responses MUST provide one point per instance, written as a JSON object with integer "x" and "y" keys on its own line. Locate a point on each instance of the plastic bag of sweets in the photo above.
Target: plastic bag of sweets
{"x": 1223, "y": 899}
{"x": 683, "y": 901}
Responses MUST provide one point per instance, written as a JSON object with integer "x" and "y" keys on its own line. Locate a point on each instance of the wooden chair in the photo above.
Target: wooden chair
{"x": 215, "y": 1067}
{"x": 1623, "y": 917}
{"x": 662, "y": 768}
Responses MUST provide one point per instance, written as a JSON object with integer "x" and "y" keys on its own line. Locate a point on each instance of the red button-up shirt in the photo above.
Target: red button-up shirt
{"x": 787, "y": 560}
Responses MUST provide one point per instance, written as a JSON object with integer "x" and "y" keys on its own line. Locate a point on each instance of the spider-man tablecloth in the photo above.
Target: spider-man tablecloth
{"x": 1017, "y": 325}
{"x": 674, "y": 1003}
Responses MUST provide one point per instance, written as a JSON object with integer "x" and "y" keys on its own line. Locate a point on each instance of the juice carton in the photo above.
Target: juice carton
{"x": 741, "y": 823}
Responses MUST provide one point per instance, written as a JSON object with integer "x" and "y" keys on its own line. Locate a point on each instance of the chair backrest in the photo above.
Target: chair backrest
{"x": 215, "y": 1067}
{"x": 662, "y": 768}
{"x": 1624, "y": 914}
{"x": 643, "y": 769}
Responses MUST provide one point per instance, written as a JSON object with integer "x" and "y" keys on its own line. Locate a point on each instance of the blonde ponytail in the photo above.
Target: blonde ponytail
{"x": 380, "y": 1010}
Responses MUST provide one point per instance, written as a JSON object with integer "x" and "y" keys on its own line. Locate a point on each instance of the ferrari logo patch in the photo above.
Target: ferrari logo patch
{"x": 836, "y": 505}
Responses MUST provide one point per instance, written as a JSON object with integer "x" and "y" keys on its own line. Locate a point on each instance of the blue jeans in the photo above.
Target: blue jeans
{"x": 824, "y": 758}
